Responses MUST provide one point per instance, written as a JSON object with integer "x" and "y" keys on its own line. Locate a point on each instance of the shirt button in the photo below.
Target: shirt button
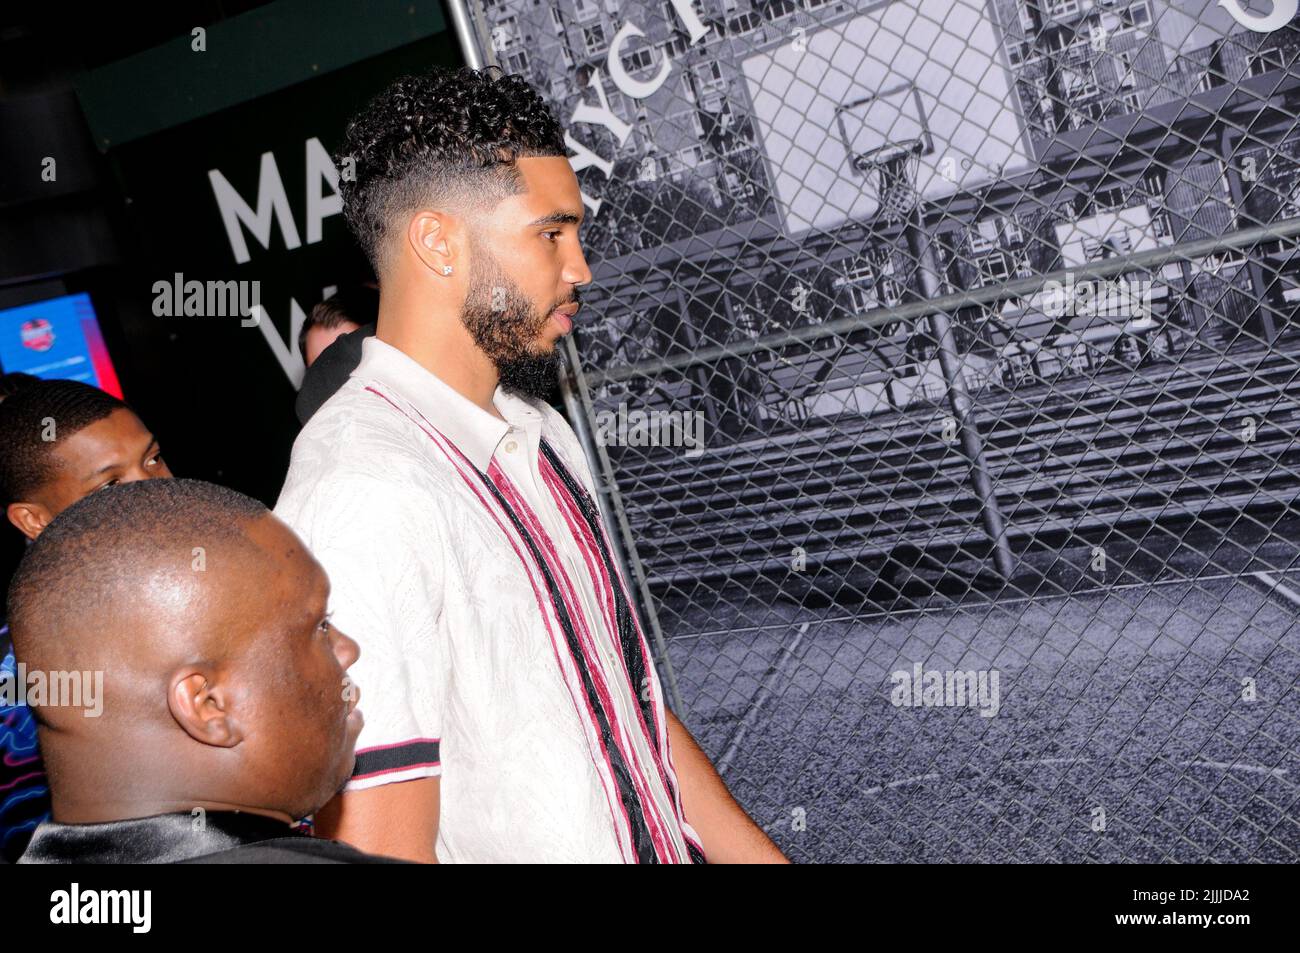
{"x": 511, "y": 446}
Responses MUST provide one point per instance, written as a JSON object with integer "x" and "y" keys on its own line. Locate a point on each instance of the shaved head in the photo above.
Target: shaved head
{"x": 223, "y": 680}
{"x": 152, "y": 533}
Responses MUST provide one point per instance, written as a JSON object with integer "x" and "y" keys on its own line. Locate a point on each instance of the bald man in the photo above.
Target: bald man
{"x": 225, "y": 711}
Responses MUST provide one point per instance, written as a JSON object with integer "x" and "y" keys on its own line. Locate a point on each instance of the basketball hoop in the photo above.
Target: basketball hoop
{"x": 896, "y": 165}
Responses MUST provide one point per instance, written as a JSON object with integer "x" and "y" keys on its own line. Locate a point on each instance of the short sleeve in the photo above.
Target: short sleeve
{"x": 385, "y": 594}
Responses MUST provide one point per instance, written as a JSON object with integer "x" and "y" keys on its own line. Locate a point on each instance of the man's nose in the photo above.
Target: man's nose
{"x": 345, "y": 649}
{"x": 576, "y": 271}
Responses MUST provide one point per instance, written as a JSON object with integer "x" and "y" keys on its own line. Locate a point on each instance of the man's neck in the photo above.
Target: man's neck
{"x": 440, "y": 343}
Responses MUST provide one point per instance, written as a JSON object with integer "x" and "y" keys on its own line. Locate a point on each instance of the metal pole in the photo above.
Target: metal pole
{"x": 1262, "y": 290}
{"x": 922, "y": 252}
{"x": 462, "y": 22}
{"x": 699, "y": 376}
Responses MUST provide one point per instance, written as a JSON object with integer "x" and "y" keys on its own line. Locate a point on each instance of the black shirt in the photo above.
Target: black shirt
{"x": 330, "y": 371}
{"x": 222, "y": 837}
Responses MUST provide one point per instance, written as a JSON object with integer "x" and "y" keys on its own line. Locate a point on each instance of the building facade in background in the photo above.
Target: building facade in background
{"x": 1148, "y": 123}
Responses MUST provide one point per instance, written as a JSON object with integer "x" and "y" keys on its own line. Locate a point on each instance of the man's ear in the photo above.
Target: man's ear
{"x": 203, "y": 709}
{"x": 29, "y": 518}
{"x": 433, "y": 237}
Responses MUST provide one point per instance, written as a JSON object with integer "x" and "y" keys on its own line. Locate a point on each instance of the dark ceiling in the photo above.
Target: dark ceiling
{"x": 43, "y": 45}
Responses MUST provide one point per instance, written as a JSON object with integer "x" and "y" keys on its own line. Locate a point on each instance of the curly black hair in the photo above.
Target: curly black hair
{"x": 447, "y": 136}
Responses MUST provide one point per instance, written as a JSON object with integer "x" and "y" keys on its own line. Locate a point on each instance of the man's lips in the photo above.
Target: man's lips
{"x": 563, "y": 317}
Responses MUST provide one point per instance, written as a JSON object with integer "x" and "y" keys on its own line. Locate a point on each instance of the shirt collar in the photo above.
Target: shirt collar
{"x": 472, "y": 429}
{"x": 160, "y": 839}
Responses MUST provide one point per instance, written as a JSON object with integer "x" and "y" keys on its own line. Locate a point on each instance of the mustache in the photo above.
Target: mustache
{"x": 575, "y": 297}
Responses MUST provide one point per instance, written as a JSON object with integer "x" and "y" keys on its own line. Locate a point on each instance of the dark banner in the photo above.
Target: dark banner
{"x": 240, "y": 229}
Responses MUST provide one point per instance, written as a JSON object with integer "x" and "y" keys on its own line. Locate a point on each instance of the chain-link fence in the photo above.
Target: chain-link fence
{"x": 942, "y": 369}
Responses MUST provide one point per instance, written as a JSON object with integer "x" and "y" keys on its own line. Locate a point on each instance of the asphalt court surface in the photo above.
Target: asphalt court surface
{"x": 1121, "y": 733}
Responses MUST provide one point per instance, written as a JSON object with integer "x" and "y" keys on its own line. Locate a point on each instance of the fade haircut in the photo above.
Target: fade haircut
{"x": 26, "y": 458}
{"x": 443, "y": 139}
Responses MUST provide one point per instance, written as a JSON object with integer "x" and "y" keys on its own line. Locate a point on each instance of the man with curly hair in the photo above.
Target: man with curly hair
{"x": 514, "y": 709}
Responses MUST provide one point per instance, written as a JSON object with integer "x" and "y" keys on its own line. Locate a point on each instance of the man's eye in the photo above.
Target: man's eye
{"x": 553, "y": 233}
{"x": 324, "y": 626}
{"x": 155, "y": 460}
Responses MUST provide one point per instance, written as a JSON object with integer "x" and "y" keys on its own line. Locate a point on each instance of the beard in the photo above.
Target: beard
{"x": 504, "y": 323}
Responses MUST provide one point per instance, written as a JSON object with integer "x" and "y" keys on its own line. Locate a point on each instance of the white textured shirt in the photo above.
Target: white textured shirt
{"x": 499, "y": 650}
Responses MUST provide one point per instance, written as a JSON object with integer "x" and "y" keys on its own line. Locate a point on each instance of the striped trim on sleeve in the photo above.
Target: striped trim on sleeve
{"x": 403, "y": 761}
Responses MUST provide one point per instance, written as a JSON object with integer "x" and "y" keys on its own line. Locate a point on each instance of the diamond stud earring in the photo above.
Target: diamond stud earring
{"x": 446, "y": 269}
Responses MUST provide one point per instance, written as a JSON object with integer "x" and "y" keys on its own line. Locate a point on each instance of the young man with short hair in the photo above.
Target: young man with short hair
{"x": 516, "y": 714}
{"x": 62, "y": 440}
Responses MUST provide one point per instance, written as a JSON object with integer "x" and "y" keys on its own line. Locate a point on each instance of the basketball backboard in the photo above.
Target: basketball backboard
{"x": 902, "y": 70}
{"x": 878, "y": 127}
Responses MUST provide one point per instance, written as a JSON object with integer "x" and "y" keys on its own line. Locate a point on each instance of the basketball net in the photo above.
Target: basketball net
{"x": 896, "y": 186}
